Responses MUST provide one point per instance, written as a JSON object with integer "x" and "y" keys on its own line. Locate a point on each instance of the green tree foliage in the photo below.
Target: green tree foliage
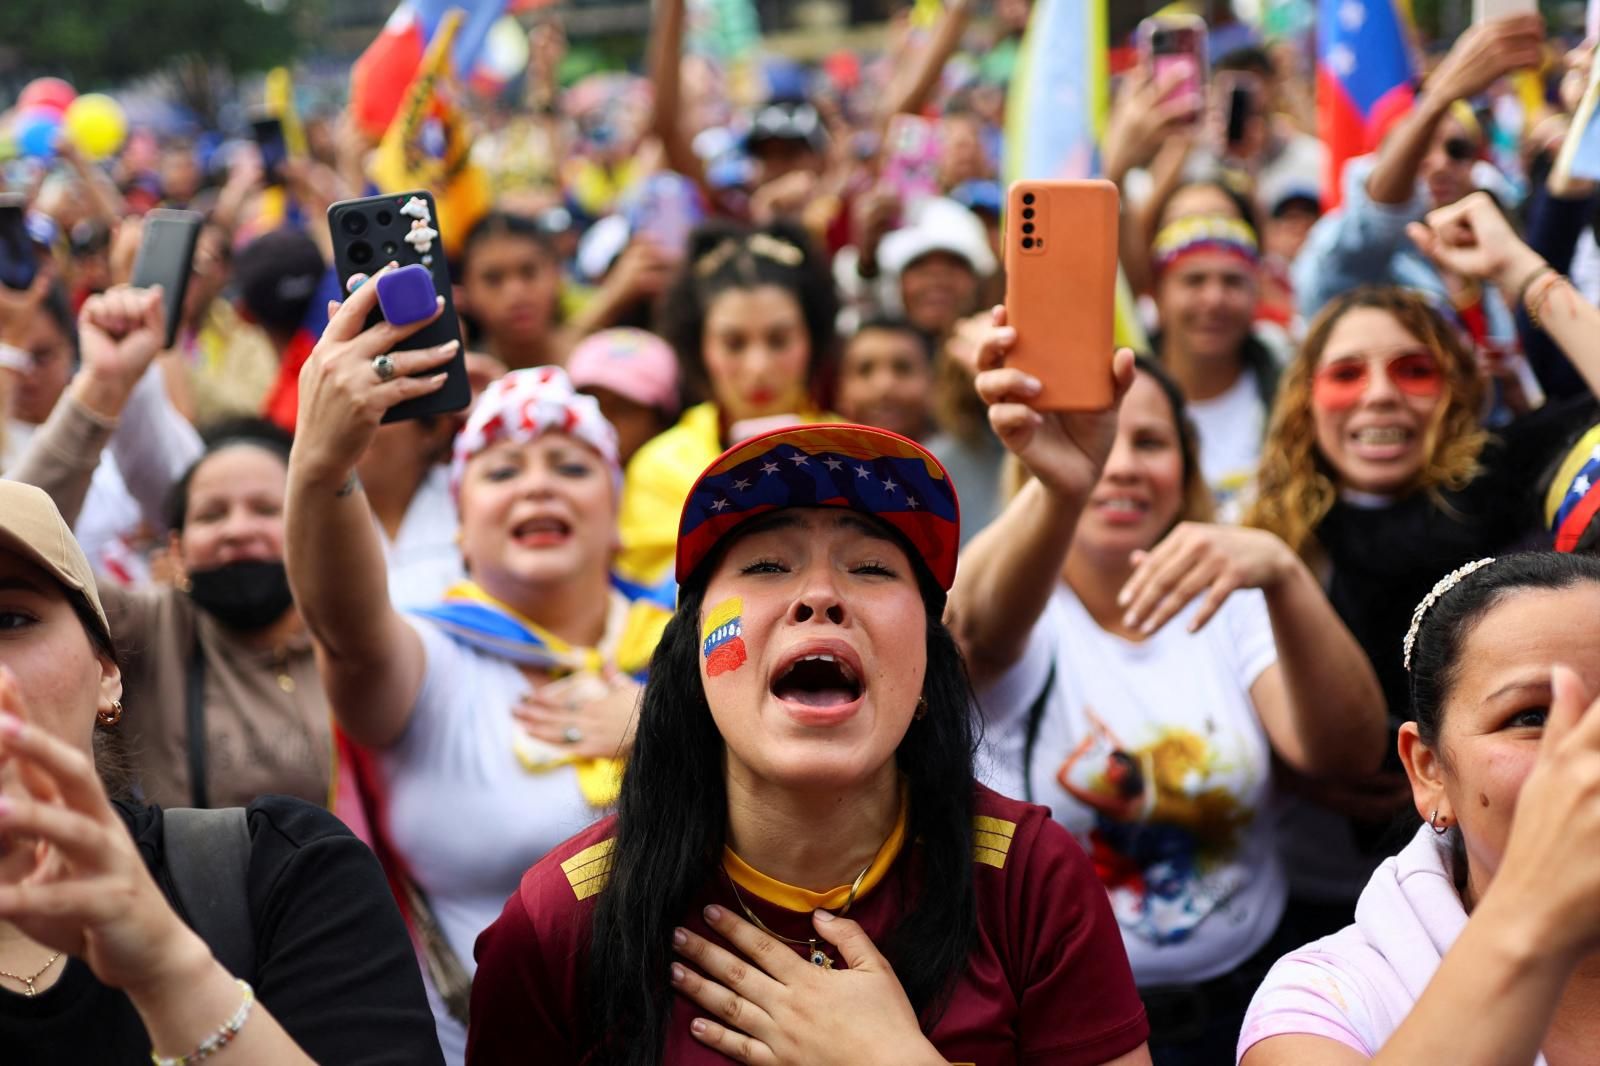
{"x": 106, "y": 42}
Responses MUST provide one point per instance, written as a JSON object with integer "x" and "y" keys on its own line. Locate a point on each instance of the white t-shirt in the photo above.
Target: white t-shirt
{"x": 424, "y": 559}
{"x": 1230, "y": 428}
{"x": 463, "y": 813}
{"x": 1162, "y": 737}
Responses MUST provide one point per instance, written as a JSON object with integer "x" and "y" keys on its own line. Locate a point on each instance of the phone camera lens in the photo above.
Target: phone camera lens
{"x": 384, "y": 218}
{"x": 1027, "y": 197}
{"x": 1027, "y": 242}
{"x": 361, "y": 253}
{"x": 1027, "y": 227}
{"x": 354, "y": 223}
{"x": 389, "y": 248}
{"x": 1027, "y": 212}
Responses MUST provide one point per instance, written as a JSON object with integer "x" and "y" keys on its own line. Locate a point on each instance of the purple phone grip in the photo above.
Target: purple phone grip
{"x": 407, "y": 295}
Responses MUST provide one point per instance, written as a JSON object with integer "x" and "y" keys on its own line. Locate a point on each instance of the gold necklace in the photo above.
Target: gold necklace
{"x": 29, "y": 990}
{"x": 815, "y": 954}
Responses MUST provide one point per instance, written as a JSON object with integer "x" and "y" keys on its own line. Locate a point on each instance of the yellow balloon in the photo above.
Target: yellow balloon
{"x": 96, "y": 125}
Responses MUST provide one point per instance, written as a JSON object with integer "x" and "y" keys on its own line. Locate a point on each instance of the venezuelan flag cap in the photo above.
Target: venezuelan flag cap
{"x": 873, "y": 471}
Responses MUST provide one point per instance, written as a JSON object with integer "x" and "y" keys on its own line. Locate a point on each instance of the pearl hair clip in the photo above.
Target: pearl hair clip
{"x": 1444, "y": 585}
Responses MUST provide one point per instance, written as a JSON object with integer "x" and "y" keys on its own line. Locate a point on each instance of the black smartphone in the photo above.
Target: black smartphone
{"x": 1240, "y": 92}
{"x": 268, "y": 133}
{"x": 19, "y": 261}
{"x": 403, "y": 228}
{"x": 166, "y": 255}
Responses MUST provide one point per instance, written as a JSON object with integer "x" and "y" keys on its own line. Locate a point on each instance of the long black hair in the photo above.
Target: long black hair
{"x": 672, "y": 827}
{"x": 724, "y": 256}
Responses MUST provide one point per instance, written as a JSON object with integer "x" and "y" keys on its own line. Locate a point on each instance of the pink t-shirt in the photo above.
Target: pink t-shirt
{"x": 1356, "y": 986}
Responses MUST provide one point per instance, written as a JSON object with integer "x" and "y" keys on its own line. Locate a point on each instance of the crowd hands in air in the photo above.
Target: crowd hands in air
{"x": 664, "y": 705}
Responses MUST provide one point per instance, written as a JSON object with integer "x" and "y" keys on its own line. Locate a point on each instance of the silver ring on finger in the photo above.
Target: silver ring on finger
{"x": 383, "y": 366}
{"x": 572, "y": 735}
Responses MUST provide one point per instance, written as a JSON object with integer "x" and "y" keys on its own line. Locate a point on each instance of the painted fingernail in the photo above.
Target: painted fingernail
{"x": 677, "y": 972}
{"x": 713, "y": 913}
{"x": 449, "y": 346}
{"x": 10, "y": 724}
{"x": 1130, "y": 619}
{"x": 438, "y": 301}
{"x": 6, "y": 806}
{"x": 698, "y": 1026}
{"x": 679, "y": 937}
{"x": 1123, "y": 597}
{"x": 824, "y": 916}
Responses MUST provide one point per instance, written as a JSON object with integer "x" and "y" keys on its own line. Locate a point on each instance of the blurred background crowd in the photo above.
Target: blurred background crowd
{"x": 722, "y": 215}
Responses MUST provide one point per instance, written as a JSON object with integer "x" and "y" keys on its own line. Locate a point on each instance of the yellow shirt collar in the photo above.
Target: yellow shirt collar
{"x": 803, "y": 900}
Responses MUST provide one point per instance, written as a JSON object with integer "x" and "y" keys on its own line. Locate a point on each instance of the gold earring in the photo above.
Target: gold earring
{"x": 109, "y": 719}
{"x": 922, "y": 708}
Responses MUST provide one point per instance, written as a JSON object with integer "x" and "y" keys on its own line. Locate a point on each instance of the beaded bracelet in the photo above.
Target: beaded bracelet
{"x": 217, "y": 1040}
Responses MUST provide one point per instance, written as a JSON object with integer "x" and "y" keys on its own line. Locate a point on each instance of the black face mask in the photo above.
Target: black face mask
{"x": 248, "y": 594}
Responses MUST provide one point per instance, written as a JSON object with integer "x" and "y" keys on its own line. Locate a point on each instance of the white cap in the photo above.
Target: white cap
{"x": 938, "y": 224}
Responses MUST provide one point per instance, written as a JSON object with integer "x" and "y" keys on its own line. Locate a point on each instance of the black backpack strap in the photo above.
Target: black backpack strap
{"x": 195, "y": 722}
{"x": 208, "y": 858}
{"x": 1031, "y": 733}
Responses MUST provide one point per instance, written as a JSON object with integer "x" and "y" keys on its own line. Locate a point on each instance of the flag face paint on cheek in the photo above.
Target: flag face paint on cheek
{"x": 722, "y": 638}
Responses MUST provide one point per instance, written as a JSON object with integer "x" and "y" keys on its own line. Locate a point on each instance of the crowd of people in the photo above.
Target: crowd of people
{"x": 756, "y": 671}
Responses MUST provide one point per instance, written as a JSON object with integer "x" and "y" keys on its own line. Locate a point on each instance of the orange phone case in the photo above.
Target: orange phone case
{"x": 1061, "y": 288}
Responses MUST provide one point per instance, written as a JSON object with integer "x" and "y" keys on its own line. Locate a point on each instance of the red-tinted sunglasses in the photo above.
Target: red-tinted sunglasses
{"x": 1340, "y": 385}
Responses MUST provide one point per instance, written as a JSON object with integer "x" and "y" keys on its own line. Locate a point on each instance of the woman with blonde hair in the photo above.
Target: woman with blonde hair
{"x": 1378, "y": 474}
{"x": 1377, "y": 470}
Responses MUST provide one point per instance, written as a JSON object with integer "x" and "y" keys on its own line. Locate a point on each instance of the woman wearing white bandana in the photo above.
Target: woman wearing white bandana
{"x": 486, "y": 729}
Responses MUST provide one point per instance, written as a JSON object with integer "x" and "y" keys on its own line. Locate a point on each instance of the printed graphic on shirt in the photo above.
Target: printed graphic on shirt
{"x": 1167, "y": 826}
{"x": 722, "y": 640}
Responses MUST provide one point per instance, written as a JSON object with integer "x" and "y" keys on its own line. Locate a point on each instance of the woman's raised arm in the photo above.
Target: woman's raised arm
{"x": 372, "y": 662}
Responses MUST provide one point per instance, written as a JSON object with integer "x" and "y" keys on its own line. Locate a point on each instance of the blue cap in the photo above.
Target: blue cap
{"x": 978, "y": 195}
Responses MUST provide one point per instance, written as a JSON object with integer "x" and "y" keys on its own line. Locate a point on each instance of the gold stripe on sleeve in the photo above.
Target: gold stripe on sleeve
{"x": 991, "y": 840}
{"x": 588, "y": 869}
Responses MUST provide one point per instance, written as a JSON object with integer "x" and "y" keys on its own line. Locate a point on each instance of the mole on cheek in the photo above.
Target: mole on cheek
{"x": 1483, "y": 799}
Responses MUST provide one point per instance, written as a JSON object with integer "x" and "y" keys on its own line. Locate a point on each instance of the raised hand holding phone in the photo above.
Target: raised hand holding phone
{"x": 356, "y": 374}
{"x": 1061, "y": 279}
{"x": 402, "y": 228}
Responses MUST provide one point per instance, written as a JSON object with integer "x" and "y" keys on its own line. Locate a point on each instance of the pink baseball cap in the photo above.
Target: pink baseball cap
{"x": 632, "y": 363}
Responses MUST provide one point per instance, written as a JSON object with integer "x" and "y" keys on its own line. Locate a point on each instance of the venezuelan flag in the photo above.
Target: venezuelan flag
{"x": 1363, "y": 71}
{"x": 381, "y": 73}
{"x": 429, "y": 144}
{"x": 723, "y": 637}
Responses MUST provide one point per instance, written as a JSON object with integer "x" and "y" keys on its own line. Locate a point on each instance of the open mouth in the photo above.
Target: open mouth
{"x": 541, "y": 532}
{"x": 820, "y": 681}
{"x": 1382, "y": 442}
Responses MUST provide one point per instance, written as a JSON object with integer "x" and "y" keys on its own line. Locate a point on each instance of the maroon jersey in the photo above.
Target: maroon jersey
{"x": 1047, "y": 980}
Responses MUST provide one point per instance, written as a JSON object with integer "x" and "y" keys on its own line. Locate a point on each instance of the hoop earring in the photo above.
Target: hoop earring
{"x": 922, "y": 708}
{"x": 109, "y": 719}
{"x": 1433, "y": 823}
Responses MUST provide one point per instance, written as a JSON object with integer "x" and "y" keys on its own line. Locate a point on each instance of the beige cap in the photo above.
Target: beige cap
{"x": 31, "y": 526}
